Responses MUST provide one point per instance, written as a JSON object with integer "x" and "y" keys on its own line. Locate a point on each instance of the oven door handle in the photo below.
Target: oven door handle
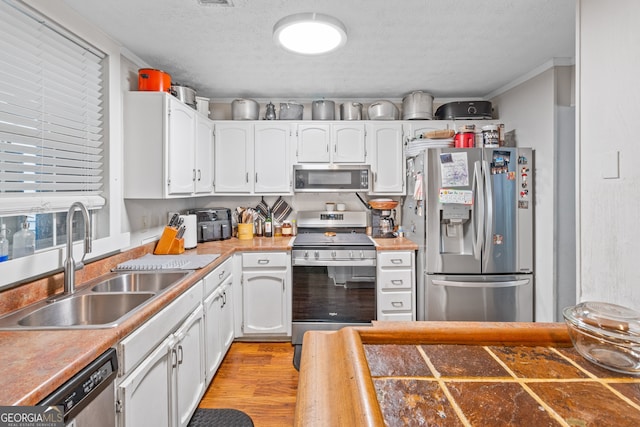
{"x": 333, "y": 262}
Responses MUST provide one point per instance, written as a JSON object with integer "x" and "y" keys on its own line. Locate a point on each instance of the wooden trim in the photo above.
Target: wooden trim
{"x": 478, "y": 333}
{"x": 335, "y": 387}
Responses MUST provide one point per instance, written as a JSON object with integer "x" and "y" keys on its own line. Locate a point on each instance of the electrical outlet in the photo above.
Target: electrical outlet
{"x": 145, "y": 222}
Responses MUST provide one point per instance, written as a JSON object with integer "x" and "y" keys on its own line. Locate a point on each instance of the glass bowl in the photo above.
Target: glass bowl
{"x": 606, "y": 334}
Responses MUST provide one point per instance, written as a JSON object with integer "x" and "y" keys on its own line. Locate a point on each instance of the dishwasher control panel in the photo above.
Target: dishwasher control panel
{"x": 78, "y": 392}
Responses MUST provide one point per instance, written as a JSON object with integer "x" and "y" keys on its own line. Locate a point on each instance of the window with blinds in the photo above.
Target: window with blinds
{"x": 51, "y": 115}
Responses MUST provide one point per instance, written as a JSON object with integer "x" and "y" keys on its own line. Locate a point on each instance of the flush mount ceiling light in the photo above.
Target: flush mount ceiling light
{"x": 309, "y": 33}
{"x": 215, "y": 2}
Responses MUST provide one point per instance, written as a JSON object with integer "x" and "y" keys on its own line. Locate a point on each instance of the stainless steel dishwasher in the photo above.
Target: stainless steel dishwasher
{"x": 88, "y": 398}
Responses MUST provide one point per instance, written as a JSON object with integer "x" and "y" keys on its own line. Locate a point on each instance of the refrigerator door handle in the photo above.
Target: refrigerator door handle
{"x": 478, "y": 222}
{"x": 488, "y": 237}
{"x": 508, "y": 284}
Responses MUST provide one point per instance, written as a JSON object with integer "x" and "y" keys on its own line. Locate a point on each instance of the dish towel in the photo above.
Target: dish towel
{"x": 280, "y": 210}
{"x": 418, "y": 193}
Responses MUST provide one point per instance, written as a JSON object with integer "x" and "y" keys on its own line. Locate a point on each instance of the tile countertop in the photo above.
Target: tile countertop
{"x": 35, "y": 363}
{"x": 458, "y": 374}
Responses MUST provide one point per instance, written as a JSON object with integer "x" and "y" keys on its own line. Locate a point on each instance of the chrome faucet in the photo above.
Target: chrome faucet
{"x": 70, "y": 266}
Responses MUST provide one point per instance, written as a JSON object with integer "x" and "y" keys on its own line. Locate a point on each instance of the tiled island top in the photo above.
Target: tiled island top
{"x": 461, "y": 374}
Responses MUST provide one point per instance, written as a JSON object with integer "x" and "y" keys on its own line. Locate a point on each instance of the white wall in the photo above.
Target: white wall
{"x": 530, "y": 110}
{"x": 608, "y": 95}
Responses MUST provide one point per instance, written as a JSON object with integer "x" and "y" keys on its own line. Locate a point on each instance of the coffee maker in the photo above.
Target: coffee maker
{"x": 382, "y": 224}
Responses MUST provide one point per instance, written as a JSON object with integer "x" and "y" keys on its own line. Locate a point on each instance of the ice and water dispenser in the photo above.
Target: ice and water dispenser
{"x": 456, "y": 236}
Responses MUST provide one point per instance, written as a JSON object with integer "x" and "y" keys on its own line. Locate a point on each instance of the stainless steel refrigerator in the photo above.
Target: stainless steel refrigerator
{"x": 471, "y": 212}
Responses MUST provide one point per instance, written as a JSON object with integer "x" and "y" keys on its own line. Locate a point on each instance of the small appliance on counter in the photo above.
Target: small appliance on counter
{"x": 382, "y": 213}
{"x": 190, "y": 223}
{"x": 213, "y": 224}
{"x": 382, "y": 223}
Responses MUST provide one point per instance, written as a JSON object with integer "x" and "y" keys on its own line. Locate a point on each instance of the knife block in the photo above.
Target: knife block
{"x": 169, "y": 243}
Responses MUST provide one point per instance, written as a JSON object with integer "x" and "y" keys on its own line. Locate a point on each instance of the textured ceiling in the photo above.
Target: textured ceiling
{"x": 450, "y": 48}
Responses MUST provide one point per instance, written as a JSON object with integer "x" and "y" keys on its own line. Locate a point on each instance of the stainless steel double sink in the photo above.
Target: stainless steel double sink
{"x": 103, "y": 303}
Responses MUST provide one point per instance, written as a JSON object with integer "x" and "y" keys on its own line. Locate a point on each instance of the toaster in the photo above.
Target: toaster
{"x": 213, "y": 224}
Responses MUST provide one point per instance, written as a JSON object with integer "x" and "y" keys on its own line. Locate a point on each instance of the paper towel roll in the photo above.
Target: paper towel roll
{"x": 191, "y": 231}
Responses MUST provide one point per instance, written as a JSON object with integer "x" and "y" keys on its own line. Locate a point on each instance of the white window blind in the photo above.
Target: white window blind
{"x": 51, "y": 115}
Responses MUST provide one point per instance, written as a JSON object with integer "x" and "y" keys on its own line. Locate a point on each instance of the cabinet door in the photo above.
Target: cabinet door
{"x": 189, "y": 369}
{"x": 233, "y": 157}
{"x": 348, "y": 143}
{"x": 144, "y": 395}
{"x": 226, "y": 322}
{"x": 264, "y": 302}
{"x": 213, "y": 306}
{"x": 180, "y": 148}
{"x": 204, "y": 155}
{"x": 396, "y": 285}
{"x": 272, "y": 164}
{"x": 313, "y": 143}
{"x": 387, "y": 165}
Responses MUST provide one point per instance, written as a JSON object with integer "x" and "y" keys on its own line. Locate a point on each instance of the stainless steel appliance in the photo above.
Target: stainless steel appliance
{"x": 471, "y": 213}
{"x": 334, "y": 273}
{"x": 321, "y": 178}
{"x": 213, "y": 224}
{"x": 88, "y": 398}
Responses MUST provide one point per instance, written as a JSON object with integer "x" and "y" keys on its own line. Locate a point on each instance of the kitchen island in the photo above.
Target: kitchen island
{"x": 458, "y": 374}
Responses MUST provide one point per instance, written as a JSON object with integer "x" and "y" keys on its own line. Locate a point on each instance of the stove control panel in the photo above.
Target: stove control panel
{"x": 350, "y": 256}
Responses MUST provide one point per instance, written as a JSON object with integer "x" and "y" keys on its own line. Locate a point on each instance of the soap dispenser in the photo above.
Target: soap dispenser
{"x": 24, "y": 241}
{"x": 4, "y": 243}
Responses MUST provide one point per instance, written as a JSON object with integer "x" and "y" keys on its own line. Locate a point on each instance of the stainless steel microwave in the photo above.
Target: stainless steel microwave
{"x": 336, "y": 178}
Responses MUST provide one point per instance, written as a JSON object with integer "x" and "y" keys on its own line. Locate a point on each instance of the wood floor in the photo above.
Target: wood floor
{"x": 259, "y": 379}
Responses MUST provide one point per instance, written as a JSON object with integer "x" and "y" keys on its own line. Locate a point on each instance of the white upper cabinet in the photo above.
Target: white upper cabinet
{"x": 252, "y": 158}
{"x": 348, "y": 143}
{"x": 331, "y": 143}
{"x": 233, "y": 157}
{"x": 181, "y": 148}
{"x": 387, "y": 164}
{"x": 204, "y": 155}
{"x": 313, "y": 143}
{"x": 272, "y": 151}
{"x": 167, "y": 147}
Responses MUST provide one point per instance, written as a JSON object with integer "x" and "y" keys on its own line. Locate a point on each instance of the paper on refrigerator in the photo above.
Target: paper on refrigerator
{"x": 454, "y": 169}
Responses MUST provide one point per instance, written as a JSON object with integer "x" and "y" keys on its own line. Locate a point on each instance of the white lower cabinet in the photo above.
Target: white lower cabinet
{"x": 227, "y": 331}
{"x": 143, "y": 397}
{"x": 396, "y": 285}
{"x": 218, "y": 311}
{"x": 266, "y": 294}
{"x": 162, "y": 374}
{"x": 188, "y": 367}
